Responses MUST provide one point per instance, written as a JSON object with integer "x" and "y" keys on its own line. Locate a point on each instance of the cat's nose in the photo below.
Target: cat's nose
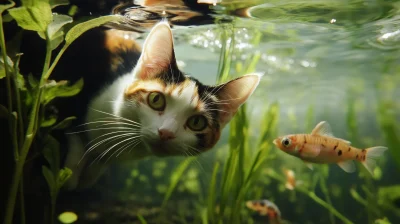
{"x": 165, "y": 134}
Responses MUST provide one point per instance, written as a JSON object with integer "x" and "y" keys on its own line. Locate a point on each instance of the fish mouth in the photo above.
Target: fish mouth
{"x": 275, "y": 142}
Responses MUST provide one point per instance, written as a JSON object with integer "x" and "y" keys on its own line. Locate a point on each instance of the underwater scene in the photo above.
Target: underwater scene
{"x": 311, "y": 137}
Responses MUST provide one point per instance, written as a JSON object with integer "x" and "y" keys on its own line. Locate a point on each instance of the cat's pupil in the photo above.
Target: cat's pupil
{"x": 156, "y": 98}
{"x": 196, "y": 121}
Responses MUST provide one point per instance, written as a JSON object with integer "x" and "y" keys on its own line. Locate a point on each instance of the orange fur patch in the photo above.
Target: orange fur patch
{"x": 117, "y": 41}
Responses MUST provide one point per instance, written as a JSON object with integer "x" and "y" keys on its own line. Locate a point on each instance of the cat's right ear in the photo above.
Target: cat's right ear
{"x": 158, "y": 52}
{"x": 233, "y": 94}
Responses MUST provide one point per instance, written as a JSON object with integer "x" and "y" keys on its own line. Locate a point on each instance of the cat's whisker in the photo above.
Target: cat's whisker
{"x": 98, "y": 129}
{"x": 119, "y": 124}
{"x": 123, "y": 118}
{"x": 107, "y": 141}
{"x": 123, "y": 147}
{"x": 189, "y": 150}
{"x": 218, "y": 110}
{"x": 110, "y": 139}
{"x": 133, "y": 145}
{"x": 109, "y": 149}
{"x": 111, "y": 133}
{"x": 108, "y": 122}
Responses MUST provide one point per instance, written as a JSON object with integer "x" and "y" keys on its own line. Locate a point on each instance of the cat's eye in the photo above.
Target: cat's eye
{"x": 156, "y": 101}
{"x": 197, "y": 122}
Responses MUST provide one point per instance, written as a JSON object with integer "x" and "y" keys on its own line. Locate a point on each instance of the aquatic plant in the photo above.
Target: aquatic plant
{"x": 27, "y": 98}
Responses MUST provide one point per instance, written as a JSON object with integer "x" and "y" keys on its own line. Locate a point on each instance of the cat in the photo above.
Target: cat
{"x": 154, "y": 109}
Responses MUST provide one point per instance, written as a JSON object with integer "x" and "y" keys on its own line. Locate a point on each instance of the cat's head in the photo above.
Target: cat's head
{"x": 178, "y": 114}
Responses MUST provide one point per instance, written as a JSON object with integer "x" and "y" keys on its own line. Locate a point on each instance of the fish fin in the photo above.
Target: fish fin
{"x": 309, "y": 165}
{"x": 322, "y": 128}
{"x": 347, "y": 166}
{"x": 311, "y": 152}
{"x": 370, "y": 155}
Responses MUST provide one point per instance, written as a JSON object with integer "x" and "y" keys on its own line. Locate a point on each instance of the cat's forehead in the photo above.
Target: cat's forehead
{"x": 187, "y": 94}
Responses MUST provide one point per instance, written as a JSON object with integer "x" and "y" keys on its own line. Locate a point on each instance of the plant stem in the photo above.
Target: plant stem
{"x": 22, "y": 202}
{"x": 30, "y": 135}
{"x": 9, "y": 90}
{"x": 313, "y": 196}
{"x": 18, "y": 102}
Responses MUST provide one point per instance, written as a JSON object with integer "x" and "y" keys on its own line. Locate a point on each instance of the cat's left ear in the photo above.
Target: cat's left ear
{"x": 158, "y": 52}
{"x": 233, "y": 94}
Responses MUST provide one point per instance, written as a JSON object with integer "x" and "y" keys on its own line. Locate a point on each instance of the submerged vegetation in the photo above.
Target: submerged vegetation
{"x": 214, "y": 187}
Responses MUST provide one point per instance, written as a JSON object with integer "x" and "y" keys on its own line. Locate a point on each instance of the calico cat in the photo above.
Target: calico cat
{"x": 153, "y": 109}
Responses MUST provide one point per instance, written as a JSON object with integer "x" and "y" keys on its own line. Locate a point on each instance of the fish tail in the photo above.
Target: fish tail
{"x": 370, "y": 155}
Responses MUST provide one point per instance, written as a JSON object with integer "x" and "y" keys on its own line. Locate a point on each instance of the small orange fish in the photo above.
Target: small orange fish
{"x": 322, "y": 147}
{"x": 290, "y": 179}
{"x": 266, "y": 207}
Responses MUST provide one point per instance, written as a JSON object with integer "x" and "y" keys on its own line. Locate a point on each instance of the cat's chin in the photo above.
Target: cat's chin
{"x": 162, "y": 149}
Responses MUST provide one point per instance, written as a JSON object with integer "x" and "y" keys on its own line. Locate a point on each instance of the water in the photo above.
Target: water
{"x": 337, "y": 61}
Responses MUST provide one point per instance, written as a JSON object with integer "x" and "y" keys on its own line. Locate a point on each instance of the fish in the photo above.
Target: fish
{"x": 322, "y": 147}
{"x": 290, "y": 179}
{"x": 265, "y": 207}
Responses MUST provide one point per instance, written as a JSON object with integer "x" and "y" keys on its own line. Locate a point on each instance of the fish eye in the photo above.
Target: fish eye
{"x": 197, "y": 122}
{"x": 286, "y": 142}
{"x": 156, "y": 101}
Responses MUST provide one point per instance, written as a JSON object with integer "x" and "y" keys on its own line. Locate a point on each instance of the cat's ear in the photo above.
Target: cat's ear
{"x": 158, "y": 52}
{"x": 233, "y": 94}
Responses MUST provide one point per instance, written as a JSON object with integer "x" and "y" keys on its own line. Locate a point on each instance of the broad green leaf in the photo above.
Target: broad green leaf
{"x": 3, "y": 112}
{"x": 56, "y": 40}
{"x": 80, "y": 28}
{"x": 63, "y": 175}
{"x": 2, "y": 67}
{"x": 60, "y": 89}
{"x": 51, "y": 151}
{"x": 48, "y": 175}
{"x": 33, "y": 83}
{"x": 58, "y": 22}
{"x": 35, "y": 18}
{"x": 6, "y": 6}
{"x": 20, "y": 79}
{"x": 55, "y": 3}
{"x": 64, "y": 124}
{"x": 48, "y": 121}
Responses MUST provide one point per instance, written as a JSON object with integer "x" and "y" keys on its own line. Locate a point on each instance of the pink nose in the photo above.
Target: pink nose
{"x": 165, "y": 134}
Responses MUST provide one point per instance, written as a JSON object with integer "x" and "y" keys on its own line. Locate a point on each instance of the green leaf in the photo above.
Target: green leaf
{"x": 55, "y": 3}
{"x": 58, "y": 22}
{"x": 60, "y": 89}
{"x": 35, "y": 18}
{"x": 57, "y": 39}
{"x": 63, "y": 175}
{"x": 6, "y": 6}
{"x": 64, "y": 124}
{"x": 48, "y": 175}
{"x": 2, "y": 67}
{"x": 80, "y": 28}
{"x": 49, "y": 121}
{"x": 51, "y": 151}
{"x": 3, "y": 112}
{"x": 33, "y": 82}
